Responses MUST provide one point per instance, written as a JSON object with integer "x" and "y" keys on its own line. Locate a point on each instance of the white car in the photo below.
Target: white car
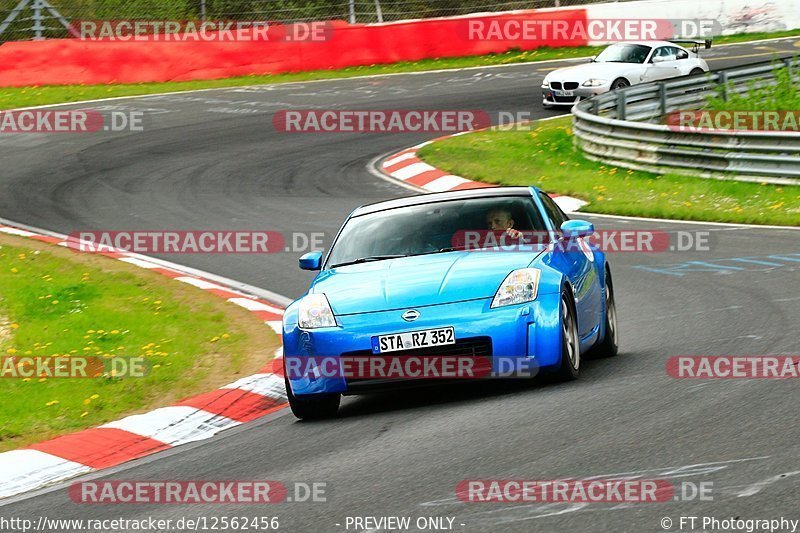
{"x": 621, "y": 65}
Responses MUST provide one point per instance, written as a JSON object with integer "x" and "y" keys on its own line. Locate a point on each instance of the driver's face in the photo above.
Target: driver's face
{"x": 499, "y": 220}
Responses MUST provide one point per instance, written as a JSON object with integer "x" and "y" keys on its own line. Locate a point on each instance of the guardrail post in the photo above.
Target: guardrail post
{"x": 662, "y": 97}
{"x": 621, "y": 101}
{"x": 723, "y": 85}
{"x": 789, "y": 63}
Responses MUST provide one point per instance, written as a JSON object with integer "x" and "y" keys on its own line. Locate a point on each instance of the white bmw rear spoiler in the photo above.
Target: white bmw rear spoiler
{"x": 695, "y": 44}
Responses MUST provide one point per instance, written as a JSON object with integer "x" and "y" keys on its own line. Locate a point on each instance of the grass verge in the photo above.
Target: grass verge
{"x": 11, "y": 97}
{"x": 546, "y": 157}
{"x": 57, "y": 302}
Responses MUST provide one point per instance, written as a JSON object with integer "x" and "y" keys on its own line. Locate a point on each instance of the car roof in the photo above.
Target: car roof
{"x": 652, "y": 44}
{"x": 419, "y": 199}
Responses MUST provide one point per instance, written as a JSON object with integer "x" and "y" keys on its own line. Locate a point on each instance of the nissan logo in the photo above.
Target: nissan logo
{"x": 411, "y": 315}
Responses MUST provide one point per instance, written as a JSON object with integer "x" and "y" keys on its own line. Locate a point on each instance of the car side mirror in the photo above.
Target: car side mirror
{"x": 572, "y": 229}
{"x": 311, "y": 261}
{"x": 591, "y": 59}
{"x": 659, "y": 59}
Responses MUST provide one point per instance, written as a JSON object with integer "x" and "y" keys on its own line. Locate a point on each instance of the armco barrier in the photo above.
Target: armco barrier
{"x": 625, "y": 128}
{"x": 72, "y": 61}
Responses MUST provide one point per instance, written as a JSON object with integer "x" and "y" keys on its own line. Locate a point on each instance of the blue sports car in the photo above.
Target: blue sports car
{"x": 446, "y": 275}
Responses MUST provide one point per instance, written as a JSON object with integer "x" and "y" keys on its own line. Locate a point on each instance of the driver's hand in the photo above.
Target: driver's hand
{"x": 514, "y": 233}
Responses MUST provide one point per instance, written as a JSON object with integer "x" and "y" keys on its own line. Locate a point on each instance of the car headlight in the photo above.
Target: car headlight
{"x": 545, "y": 83}
{"x": 594, "y": 83}
{"x": 519, "y": 287}
{"x": 315, "y": 312}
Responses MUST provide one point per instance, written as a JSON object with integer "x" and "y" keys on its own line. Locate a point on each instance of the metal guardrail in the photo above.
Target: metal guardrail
{"x": 626, "y": 128}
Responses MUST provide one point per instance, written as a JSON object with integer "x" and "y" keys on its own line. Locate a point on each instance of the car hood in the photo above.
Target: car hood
{"x": 417, "y": 281}
{"x": 581, "y": 73}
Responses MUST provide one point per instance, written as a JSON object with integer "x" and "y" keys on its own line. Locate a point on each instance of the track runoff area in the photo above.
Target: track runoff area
{"x": 657, "y": 438}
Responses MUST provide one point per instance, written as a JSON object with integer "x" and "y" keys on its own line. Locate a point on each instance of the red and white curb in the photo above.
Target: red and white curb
{"x": 410, "y": 169}
{"x": 192, "y": 419}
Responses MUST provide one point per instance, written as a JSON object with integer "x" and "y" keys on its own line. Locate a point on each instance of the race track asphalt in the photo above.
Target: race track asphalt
{"x": 212, "y": 160}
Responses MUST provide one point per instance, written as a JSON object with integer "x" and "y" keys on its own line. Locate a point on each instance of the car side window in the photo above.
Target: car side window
{"x": 681, "y": 53}
{"x": 664, "y": 52}
{"x": 656, "y": 53}
{"x": 554, "y": 213}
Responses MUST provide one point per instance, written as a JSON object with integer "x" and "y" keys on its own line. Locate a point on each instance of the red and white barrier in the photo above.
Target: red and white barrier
{"x": 74, "y": 61}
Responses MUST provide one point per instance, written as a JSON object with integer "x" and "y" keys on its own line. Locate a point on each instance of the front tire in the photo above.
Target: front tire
{"x": 313, "y": 407}
{"x": 695, "y": 71}
{"x": 569, "y": 368}
{"x": 620, "y": 83}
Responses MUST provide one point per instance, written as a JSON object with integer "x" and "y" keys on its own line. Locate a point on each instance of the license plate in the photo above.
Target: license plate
{"x": 564, "y": 93}
{"x": 410, "y": 340}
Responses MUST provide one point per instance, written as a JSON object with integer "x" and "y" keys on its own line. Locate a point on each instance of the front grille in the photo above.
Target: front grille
{"x": 470, "y": 347}
{"x": 563, "y": 99}
{"x": 570, "y": 85}
{"x": 555, "y": 85}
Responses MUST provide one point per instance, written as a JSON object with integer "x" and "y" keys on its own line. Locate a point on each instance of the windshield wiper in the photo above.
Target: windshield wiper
{"x": 440, "y": 250}
{"x": 369, "y": 259}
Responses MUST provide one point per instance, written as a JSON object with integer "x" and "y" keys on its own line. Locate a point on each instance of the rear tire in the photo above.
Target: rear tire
{"x": 313, "y": 407}
{"x": 609, "y": 346}
{"x": 569, "y": 368}
{"x": 696, "y": 71}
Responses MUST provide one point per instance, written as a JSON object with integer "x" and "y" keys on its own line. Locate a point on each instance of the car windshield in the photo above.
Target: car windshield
{"x": 624, "y": 53}
{"x": 429, "y": 228}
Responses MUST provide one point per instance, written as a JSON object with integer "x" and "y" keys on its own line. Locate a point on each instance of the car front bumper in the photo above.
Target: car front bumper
{"x": 527, "y": 334}
{"x": 549, "y": 96}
